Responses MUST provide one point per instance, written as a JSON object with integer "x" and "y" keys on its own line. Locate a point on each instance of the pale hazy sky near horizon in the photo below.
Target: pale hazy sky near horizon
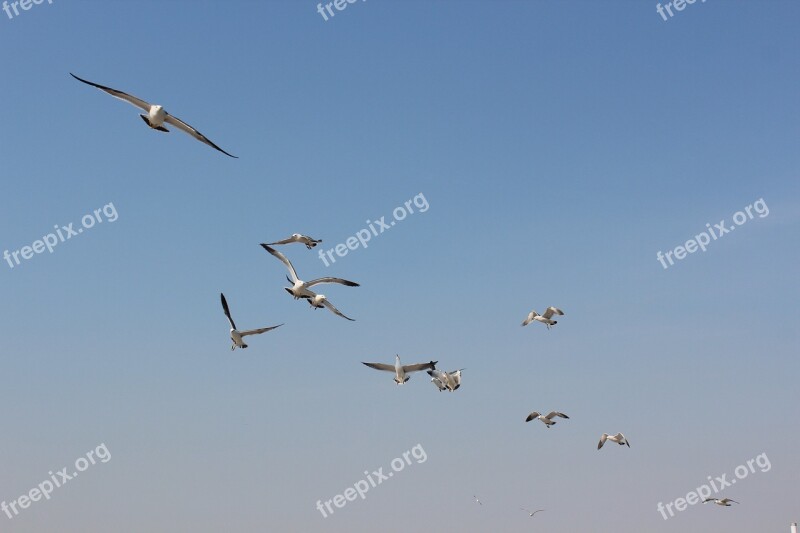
{"x": 559, "y": 146}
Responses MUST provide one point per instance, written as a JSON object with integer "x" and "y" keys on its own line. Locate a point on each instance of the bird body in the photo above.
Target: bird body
{"x": 725, "y": 502}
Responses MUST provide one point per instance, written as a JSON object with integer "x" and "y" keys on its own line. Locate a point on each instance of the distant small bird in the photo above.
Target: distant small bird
{"x": 477, "y": 500}
{"x": 531, "y": 513}
{"x": 446, "y": 380}
{"x": 297, "y": 237}
{"x": 236, "y": 335}
{"x": 545, "y": 318}
{"x": 725, "y": 502}
{"x": 619, "y": 438}
{"x": 400, "y": 371}
{"x": 156, "y": 116}
{"x": 548, "y": 420}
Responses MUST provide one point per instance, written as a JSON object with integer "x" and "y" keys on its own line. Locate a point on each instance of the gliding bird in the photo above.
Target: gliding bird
{"x": 545, "y": 318}
{"x": 400, "y": 371}
{"x": 156, "y": 116}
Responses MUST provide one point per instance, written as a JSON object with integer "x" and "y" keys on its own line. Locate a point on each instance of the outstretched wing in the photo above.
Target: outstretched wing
{"x": 282, "y": 259}
{"x": 138, "y": 102}
{"x": 332, "y": 280}
{"x": 181, "y": 125}
{"x": 554, "y": 414}
{"x": 532, "y": 416}
{"x": 420, "y": 366}
{"x": 330, "y": 306}
{"x": 227, "y": 311}
{"x": 381, "y": 366}
{"x": 258, "y": 331}
{"x": 550, "y": 311}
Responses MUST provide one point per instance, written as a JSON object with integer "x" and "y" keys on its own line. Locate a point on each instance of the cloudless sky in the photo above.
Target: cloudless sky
{"x": 559, "y": 145}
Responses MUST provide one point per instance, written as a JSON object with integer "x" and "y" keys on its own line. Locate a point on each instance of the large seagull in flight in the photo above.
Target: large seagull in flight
{"x": 156, "y": 116}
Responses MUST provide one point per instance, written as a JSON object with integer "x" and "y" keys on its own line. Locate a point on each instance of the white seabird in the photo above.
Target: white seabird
{"x": 531, "y": 513}
{"x": 299, "y": 287}
{"x": 320, "y": 300}
{"x": 401, "y": 372}
{"x": 297, "y": 237}
{"x": 446, "y": 380}
{"x": 619, "y": 438}
{"x": 545, "y": 318}
{"x": 156, "y": 115}
{"x": 548, "y": 420}
{"x": 236, "y": 335}
{"x": 725, "y": 502}
{"x": 477, "y": 500}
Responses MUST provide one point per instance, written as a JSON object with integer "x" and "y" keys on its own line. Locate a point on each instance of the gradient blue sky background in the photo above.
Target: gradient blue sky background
{"x": 560, "y": 145}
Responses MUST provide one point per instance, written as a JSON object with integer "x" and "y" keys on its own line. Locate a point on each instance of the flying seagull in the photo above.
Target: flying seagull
{"x": 446, "y": 380}
{"x": 725, "y": 502}
{"x": 156, "y": 116}
{"x": 320, "y": 300}
{"x": 236, "y": 335}
{"x": 548, "y": 420}
{"x": 477, "y": 500}
{"x": 619, "y": 438}
{"x": 400, "y": 371}
{"x": 299, "y": 287}
{"x": 531, "y": 513}
{"x": 545, "y": 318}
{"x": 297, "y": 237}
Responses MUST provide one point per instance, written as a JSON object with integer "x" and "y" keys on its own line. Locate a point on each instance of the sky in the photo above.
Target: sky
{"x": 553, "y": 150}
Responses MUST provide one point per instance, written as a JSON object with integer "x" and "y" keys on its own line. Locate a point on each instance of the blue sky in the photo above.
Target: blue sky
{"x": 559, "y": 145}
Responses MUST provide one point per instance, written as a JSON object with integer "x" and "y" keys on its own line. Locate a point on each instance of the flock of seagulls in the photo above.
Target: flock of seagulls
{"x": 156, "y": 117}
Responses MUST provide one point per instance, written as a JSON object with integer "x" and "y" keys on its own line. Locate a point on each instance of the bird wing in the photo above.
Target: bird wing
{"x": 537, "y": 511}
{"x": 138, "y": 102}
{"x": 381, "y": 366}
{"x": 554, "y": 414}
{"x": 227, "y": 311}
{"x": 529, "y": 318}
{"x": 330, "y": 306}
{"x": 420, "y": 366}
{"x": 181, "y": 125}
{"x": 550, "y": 311}
{"x": 258, "y": 331}
{"x": 708, "y": 500}
{"x": 332, "y": 280}
{"x": 284, "y": 241}
{"x": 534, "y": 415}
{"x": 603, "y": 438}
{"x": 282, "y": 259}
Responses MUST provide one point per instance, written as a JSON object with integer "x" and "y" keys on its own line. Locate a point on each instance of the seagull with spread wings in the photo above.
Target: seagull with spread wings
{"x": 531, "y": 513}
{"x": 156, "y": 116}
{"x": 725, "y": 502}
{"x": 237, "y": 337}
{"x": 545, "y": 318}
{"x": 300, "y": 288}
{"x": 297, "y": 237}
{"x": 401, "y": 372}
{"x": 548, "y": 420}
{"x": 619, "y": 438}
{"x": 446, "y": 380}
